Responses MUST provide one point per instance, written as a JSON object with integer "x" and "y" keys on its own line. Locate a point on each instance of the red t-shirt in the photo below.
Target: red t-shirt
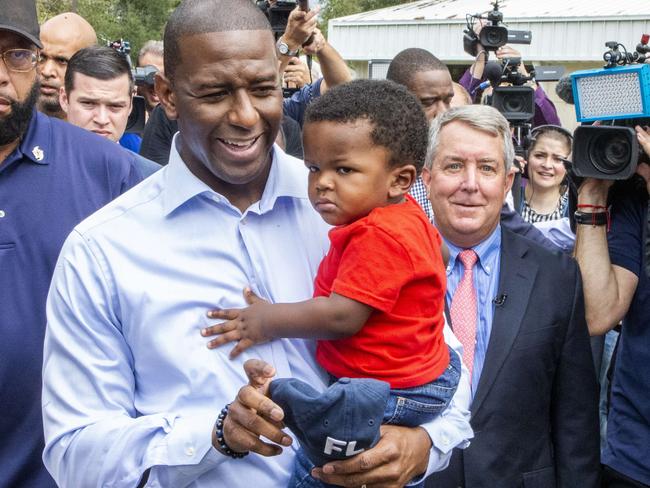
{"x": 391, "y": 261}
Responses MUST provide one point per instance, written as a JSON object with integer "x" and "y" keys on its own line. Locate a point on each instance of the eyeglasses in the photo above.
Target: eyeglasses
{"x": 20, "y": 60}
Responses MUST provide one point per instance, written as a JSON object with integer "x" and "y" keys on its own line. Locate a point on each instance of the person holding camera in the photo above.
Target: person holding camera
{"x": 545, "y": 111}
{"x": 303, "y": 34}
{"x": 612, "y": 247}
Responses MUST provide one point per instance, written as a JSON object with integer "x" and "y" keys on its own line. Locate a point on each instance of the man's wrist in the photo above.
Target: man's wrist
{"x": 292, "y": 47}
{"x": 218, "y": 438}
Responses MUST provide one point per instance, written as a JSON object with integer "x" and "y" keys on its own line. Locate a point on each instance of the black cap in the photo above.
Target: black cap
{"x": 19, "y": 16}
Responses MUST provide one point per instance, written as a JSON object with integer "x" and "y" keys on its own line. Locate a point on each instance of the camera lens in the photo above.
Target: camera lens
{"x": 610, "y": 152}
{"x": 514, "y": 103}
{"x": 493, "y": 37}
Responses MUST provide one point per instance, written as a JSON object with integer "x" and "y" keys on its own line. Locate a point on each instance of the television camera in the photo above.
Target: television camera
{"x": 278, "y": 12}
{"x": 617, "y": 98}
{"x": 141, "y": 76}
{"x": 493, "y": 35}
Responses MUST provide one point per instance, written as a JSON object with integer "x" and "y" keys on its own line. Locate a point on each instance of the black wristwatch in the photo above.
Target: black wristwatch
{"x": 283, "y": 48}
{"x": 589, "y": 218}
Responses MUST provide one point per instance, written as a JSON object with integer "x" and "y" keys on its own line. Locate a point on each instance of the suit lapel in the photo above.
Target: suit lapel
{"x": 516, "y": 279}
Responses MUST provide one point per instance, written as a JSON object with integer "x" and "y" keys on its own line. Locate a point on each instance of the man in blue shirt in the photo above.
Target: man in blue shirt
{"x": 52, "y": 175}
{"x": 615, "y": 267}
{"x": 518, "y": 310}
{"x": 129, "y": 382}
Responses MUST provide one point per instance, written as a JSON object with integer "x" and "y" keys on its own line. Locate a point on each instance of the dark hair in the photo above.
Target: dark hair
{"x": 411, "y": 61}
{"x": 398, "y": 120}
{"x": 193, "y": 17}
{"x": 553, "y": 131}
{"x": 103, "y": 63}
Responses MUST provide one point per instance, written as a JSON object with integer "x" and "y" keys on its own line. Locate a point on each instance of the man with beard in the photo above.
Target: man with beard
{"x": 62, "y": 36}
{"x": 52, "y": 175}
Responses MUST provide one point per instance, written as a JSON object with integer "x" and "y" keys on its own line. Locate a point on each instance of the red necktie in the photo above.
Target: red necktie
{"x": 463, "y": 309}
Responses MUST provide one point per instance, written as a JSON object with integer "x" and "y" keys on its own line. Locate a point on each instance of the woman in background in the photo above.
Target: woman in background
{"x": 545, "y": 198}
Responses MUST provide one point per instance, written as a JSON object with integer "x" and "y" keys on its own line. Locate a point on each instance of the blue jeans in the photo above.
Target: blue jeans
{"x": 409, "y": 407}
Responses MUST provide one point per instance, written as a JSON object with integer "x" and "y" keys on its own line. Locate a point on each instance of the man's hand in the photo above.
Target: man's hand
{"x": 401, "y": 454}
{"x": 594, "y": 192}
{"x": 316, "y": 45}
{"x": 300, "y": 27}
{"x": 244, "y": 325}
{"x": 520, "y": 165}
{"x": 296, "y": 74}
{"x": 505, "y": 52}
{"x": 253, "y": 414}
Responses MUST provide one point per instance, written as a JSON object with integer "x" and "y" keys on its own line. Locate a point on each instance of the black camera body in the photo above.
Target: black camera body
{"x": 144, "y": 76}
{"x": 141, "y": 76}
{"x": 492, "y": 36}
{"x": 277, "y": 14}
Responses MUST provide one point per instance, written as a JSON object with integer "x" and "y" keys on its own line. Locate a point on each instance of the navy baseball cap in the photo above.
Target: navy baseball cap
{"x": 339, "y": 423}
{"x": 19, "y": 16}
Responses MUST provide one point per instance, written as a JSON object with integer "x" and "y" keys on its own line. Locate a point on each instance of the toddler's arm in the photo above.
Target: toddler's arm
{"x": 332, "y": 317}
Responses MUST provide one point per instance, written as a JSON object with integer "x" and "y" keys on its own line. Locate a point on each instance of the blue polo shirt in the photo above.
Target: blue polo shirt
{"x": 628, "y": 425}
{"x": 57, "y": 176}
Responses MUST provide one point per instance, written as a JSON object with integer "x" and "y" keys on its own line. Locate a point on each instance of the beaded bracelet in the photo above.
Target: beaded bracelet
{"x": 223, "y": 447}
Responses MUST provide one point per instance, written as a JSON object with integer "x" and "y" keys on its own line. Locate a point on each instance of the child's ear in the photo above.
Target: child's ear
{"x": 402, "y": 179}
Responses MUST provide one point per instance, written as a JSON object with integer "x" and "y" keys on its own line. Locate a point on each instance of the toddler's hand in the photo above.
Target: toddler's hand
{"x": 244, "y": 325}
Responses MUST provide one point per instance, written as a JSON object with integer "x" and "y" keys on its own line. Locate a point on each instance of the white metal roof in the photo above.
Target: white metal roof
{"x": 449, "y": 10}
{"x": 562, "y": 30}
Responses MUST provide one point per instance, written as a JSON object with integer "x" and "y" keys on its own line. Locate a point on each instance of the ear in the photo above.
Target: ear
{"x": 401, "y": 180}
{"x": 426, "y": 177}
{"x": 166, "y": 95}
{"x": 510, "y": 178}
{"x": 63, "y": 99}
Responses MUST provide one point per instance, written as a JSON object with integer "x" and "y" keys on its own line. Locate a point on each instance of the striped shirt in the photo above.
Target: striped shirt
{"x": 529, "y": 215}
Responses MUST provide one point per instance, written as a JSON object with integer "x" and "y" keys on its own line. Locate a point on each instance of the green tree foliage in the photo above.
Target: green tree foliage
{"x": 136, "y": 21}
{"x": 340, "y": 8}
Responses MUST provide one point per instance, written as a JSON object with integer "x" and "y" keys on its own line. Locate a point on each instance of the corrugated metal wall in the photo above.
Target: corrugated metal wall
{"x": 553, "y": 40}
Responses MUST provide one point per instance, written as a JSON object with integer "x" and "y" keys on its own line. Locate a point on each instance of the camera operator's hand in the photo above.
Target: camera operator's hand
{"x": 507, "y": 51}
{"x": 317, "y": 43}
{"x": 594, "y": 192}
{"x": 300, "y": 27}
{"x": 520, "y": 165}
{"x": 296, "y": 74}
{"x": 643, "y": 136}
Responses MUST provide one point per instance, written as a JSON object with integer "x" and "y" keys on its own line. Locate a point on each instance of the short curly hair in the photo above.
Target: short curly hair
{"x": 398, "y": 120}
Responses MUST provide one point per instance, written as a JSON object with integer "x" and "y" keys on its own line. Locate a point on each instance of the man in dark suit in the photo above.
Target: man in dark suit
{"x": 518, "y": 310}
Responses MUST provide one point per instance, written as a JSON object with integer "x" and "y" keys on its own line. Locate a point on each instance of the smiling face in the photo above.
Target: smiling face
{"x": 467, "y": 183}
{"x": 434, "y": 89}
{"x": 100, "y": 106}
{"x": 226, "y": 96}
{"x": 349, "y": 175}
{"x": 545, "y": 167}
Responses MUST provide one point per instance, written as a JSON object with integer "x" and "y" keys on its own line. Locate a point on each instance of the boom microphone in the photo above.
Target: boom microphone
{"x": 493, "y": 72}
{"x": 564, "y": 89}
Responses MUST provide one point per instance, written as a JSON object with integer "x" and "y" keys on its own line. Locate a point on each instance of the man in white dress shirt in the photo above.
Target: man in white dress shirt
{"x": 131, "y": 392}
